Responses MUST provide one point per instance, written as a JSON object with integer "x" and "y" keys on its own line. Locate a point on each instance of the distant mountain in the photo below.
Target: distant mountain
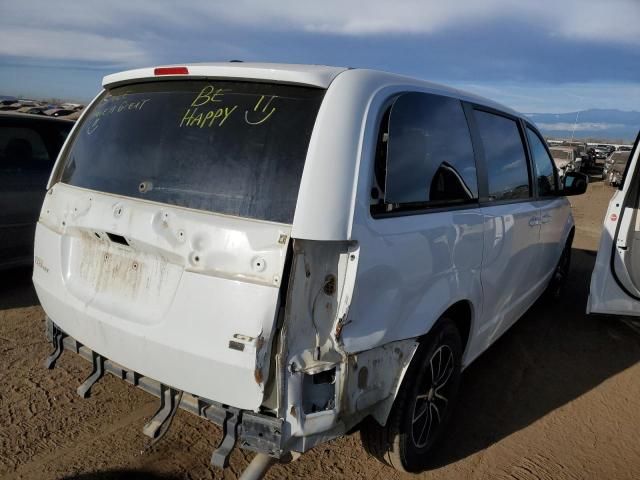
{"x": 614, "y": 125}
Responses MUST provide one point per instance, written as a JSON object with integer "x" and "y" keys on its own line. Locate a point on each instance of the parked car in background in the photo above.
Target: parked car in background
{"x": 566, "y": 159}
{"x": 29, "y": 145}
{"x": 36, "y": 107}
{"x": 10, "y": 106}
{"x": 32, "y": 110}
{"x": 607, "y": 148}
{"x": 602, "y": 151}
{"x": 582, "y": 152}
{"x": 614, "y": 167}
{"x": 72, "y": 106}
{"x": 292, "y": 251}
{"x": 615, "y": 281}
{"x": 75, "y": 115}
{"x": 58, "y": 112}
{"x": 63, "y": 113}
{"x": 624, "y": 148}
{"x": 29, "y": 103}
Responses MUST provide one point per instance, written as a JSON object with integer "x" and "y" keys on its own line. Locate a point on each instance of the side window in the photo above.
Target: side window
{"x": 425, "y": 158}
{"x": 22, "y": 148}
{"x": 544, "y": 165}
{"x": 505, "y": 156}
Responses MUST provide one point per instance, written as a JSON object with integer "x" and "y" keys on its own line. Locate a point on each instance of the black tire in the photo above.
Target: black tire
{"x": 558, "y": 281}
{"x": 423, "y": 407}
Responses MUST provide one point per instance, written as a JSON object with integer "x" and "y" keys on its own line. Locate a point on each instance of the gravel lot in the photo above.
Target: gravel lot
{"x": 557, "y": 397}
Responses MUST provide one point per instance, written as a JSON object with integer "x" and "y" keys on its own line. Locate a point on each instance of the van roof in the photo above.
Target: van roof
{"x": 312, "y": 75}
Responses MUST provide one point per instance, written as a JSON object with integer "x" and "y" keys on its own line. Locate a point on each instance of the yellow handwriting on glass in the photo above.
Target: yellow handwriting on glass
{"x": 211, "y": 117}
{"x": 215, "y": 117}
{"x": 264, "y": 114}
{"x": 209, "y": 94}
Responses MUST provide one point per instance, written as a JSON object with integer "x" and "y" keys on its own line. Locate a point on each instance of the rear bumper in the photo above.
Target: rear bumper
{"x": 256, "y": 432}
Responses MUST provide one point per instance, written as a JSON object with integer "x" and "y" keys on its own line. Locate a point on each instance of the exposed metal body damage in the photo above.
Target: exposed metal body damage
{"x": 328, "y": 390}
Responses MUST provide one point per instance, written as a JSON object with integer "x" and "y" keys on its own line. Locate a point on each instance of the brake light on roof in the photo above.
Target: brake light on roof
{"x": 171, "y": 71}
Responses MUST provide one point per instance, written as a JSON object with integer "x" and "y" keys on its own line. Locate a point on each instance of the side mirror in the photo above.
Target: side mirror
{"x": 574, "y": 183}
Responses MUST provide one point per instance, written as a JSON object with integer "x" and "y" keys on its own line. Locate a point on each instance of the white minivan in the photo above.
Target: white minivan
{"x": 295, "y": 251}
{"x": 615, "y": 281}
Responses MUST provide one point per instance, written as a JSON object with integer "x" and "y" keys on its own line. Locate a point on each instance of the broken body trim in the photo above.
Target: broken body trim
{"x": 266, "y": 434}
{"x": 256, "y": 432}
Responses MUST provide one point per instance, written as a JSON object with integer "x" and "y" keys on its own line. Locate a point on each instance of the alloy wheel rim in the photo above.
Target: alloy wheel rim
{"x": 429, "y": 407}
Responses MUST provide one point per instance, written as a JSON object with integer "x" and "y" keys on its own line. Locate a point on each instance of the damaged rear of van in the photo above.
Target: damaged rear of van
{"x": 249, "y": 243}
{"x": 170, "y": 218}
{"x": 165, "y": 252}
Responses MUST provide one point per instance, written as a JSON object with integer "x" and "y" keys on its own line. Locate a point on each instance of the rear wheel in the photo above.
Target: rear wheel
{"x": 422, "y": 409}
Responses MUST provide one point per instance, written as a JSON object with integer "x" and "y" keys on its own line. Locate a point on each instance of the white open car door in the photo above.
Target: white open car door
{"x": 615, "y": 282}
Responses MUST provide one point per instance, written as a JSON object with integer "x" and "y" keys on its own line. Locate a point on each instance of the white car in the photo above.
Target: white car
{"x": 295, "y": 251}
{"x": 615, "y": 279}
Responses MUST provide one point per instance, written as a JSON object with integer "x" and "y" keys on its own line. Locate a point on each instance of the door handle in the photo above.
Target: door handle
{"x": 546, "y": 218}
{"x": 533, "y": 221}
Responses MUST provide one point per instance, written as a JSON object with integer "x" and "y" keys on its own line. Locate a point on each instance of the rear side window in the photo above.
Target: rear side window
{"x": 544, "y": 165}
{"x": 22, "y": 147}
{"x": 425, "y": 158}
{"x": 505, "y": 157}
{"x": 27, "y": 145}
{"x": 236, "y": 148}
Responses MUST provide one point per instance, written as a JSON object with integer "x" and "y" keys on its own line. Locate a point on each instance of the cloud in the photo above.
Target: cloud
{"x": 613, "y": 20}
{"x": 579, "y": 126}
{"x": 598, "y": 21}
{"x": 62, "y": 45}
{"x": 543, "y": 55}
{"x": 59, "y": 29}
{"x": 593, "y": 20}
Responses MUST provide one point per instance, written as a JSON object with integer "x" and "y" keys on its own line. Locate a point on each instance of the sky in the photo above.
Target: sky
{"x": 532, "y": 55}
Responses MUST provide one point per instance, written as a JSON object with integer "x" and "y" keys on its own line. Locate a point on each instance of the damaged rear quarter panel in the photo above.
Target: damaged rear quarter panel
{"x": 329, "y": 390}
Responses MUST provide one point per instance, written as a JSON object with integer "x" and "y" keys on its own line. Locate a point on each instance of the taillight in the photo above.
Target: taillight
{"x": 171, "y": 71}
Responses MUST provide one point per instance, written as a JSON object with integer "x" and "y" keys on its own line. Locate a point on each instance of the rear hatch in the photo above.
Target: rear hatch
{"x": 162, "y": 243}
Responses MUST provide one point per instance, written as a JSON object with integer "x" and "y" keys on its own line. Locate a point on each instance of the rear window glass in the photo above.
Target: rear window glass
{"x": 236, "y": 148}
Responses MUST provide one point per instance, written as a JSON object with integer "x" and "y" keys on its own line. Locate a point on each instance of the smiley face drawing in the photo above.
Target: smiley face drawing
{"x": 263, "y": 114}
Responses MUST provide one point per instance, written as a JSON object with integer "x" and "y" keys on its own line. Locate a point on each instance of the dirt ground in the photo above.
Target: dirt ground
{"x": 557, "y": 397}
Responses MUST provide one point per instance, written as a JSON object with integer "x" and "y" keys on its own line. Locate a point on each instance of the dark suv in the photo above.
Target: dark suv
{"x": 29, "y": 145}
